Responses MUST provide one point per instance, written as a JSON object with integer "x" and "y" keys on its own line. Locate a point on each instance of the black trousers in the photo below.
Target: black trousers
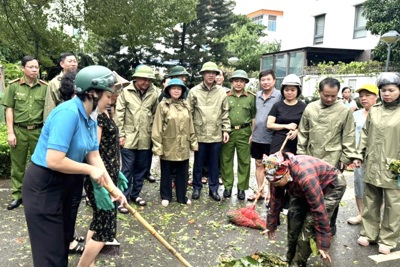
{"x": 181, "y": 179}
{"x": 48, "y": 208}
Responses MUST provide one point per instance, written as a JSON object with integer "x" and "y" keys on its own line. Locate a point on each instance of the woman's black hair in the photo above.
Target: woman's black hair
{"x": 67, "y": 86}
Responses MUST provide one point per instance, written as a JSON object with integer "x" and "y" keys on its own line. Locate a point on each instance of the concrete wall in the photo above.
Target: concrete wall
{"x": 354, "y": 81}
{"x": 298, "y": 24}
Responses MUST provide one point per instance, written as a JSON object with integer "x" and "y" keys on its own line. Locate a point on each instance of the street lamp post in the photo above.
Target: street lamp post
{"x": 389, "y": 38}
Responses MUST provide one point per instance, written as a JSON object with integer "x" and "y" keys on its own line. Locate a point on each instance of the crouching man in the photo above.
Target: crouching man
{"x": 315, "y": 189}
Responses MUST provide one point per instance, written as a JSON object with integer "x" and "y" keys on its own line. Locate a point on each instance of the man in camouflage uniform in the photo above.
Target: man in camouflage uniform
{"x": 242, "y": 111}
{"x": 135, "y": 110}
{"x": 210, "y": 111}
{"x": 316, "y": 188}
{"x": 68, "y": 63}
{"x": 24, "y": 103}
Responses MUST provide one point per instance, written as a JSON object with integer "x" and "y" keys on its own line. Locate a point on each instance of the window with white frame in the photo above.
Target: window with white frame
{"x": 271, "y": 23}
{"x": 258, "y": 19}
{"x": 319, "y": 29}
{"x": 359, "y": 23}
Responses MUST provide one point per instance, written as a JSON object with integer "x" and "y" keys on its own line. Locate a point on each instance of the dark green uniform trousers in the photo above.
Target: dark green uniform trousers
{"x": 26, "y": 141}
{"x": 239, "y": 140}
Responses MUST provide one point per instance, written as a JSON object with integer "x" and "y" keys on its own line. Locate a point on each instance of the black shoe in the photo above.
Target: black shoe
{"x": 14, "y": 204}
{"x": 150, "y": 178}
{"x": 333, "y": 230}
{"x": 196, "y": 194}
{"x": 227, "y": 193}
{"x": 214, "y": 195}
{"x": 241, "y": 194}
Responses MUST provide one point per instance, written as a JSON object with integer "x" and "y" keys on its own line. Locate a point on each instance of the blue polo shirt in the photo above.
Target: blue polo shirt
{"x": 67, "y": 129}
{"x": 261, "y": 134}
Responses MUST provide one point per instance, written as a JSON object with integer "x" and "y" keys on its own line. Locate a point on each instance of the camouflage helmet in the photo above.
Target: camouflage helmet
{"x": 176, "y": 82}
{"x": 94, "y": 77}
{"x": 209, "y": 66}
{"x": 177, "y": 71}
{"x": 388, "y": 78}
{"x": 143, "y": 71}
{"x": 239, "y": 74}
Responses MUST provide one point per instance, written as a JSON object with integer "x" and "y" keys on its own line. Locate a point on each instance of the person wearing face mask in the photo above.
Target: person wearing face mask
{"x": 68, "y": 137}
{"x": 24, "y": 103}
{"x": 379, "y": 146}
{"x": 316, "y": 188}
{"x": 68, "y": 63}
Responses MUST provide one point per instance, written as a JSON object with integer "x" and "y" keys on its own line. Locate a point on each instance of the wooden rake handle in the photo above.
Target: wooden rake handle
{"x": 150, "y": 229}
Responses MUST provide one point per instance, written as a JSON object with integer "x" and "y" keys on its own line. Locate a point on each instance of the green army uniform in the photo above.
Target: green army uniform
{"x": 27, "y": 104}
{"x": 242, "y": 110}
{"x": 53, "y": 95}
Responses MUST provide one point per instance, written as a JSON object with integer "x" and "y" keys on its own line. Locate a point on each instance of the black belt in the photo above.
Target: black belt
{"x": 29, "y": 127}
{"x": 237, "y": 127}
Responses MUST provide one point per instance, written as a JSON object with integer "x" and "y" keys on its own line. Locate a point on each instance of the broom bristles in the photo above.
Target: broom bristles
{"x": 111, "y": 248}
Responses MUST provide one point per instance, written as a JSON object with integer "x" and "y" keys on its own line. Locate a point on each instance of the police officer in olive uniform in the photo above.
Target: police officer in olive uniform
{"x": 242, "y": 111}
{"x": 68, "y": 63}
{"x": 24, "y": 102}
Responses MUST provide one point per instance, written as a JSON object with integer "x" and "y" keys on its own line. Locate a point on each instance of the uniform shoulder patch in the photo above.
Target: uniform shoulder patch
{"x": 14, "y": 81}
{"x": 43, "y": 82}
{"x": 252, "y": 93}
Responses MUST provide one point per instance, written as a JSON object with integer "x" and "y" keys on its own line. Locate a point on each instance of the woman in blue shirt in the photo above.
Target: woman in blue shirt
{"x": 68, "y": 137}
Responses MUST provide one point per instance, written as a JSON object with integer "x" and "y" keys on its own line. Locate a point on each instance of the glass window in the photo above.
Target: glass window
{"x": 258, "y": 19}
{"x": 359, "y": 23}
{"x": 267, "y": 62}
{"x": 296, "y": 63}
{"x": 319, "y": 29}
{"x": 271, "y": 23}
{"x": 280, "y": 65}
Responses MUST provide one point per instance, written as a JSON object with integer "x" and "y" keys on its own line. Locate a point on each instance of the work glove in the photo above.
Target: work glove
{"x": 102, "y": 197}
{"x": 122, "y": 182}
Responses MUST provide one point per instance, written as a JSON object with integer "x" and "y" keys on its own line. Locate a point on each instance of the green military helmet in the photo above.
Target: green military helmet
{"x": 209, "y": 66}
{"x": 143, "y": 71}
{"x": 177, "y": 71}
{"x": 94, "y": 77}
{"x": 239, "y": 74}
{"x": 176, "y": 82}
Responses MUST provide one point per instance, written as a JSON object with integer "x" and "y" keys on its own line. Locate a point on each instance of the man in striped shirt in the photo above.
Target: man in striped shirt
{"x": 315, "y": 189}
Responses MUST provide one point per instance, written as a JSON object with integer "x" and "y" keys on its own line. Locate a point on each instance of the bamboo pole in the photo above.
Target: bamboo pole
{"x": 151, "y": 229}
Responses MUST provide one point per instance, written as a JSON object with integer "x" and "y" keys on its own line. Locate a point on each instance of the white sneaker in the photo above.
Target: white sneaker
{"x": 188, "y": 202}
{"x": 165, "y": 203}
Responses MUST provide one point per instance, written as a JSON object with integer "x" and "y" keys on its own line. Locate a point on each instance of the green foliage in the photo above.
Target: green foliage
{"x": 258, "y": 259}
{"x": 370, "y": 68}
{"x": 27, "y": 29}
{"x": 198, "y": 41}
{"x": 244, "y": 43}
{"x": 5, "y": 161}
{"x": 12, "y": 71}
{"x": 383, "y": 16}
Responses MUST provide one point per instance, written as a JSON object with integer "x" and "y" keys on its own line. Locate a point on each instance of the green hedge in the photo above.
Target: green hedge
{"x": 5, "y": 161}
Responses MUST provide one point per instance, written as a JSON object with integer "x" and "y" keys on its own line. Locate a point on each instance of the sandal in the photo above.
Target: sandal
{"x": 78, "y": 249}
{"x": 140, "y": 201}
{"x": 123, "y": 210}
{"x": 79, "y": 239}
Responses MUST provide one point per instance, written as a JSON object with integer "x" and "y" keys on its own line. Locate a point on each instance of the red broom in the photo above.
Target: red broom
{"x": 248, "y": 216}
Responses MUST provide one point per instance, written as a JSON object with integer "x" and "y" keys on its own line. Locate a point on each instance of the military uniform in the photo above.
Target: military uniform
{"x": 242, "y": 110}
{"x": 53, "y": 96}
{"x": 27, "y": 104}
